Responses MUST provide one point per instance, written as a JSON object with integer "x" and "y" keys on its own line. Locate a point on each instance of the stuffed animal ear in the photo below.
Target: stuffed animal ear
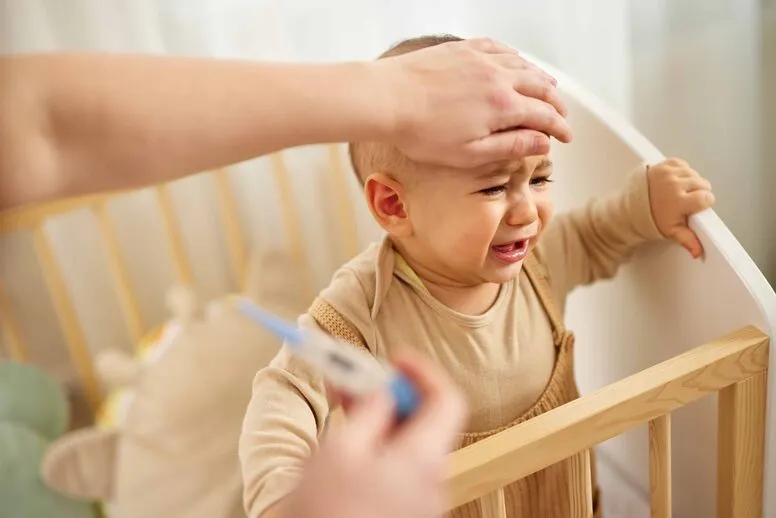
{"x": 116, "y": 368}
{"x": 184, "y": 303}
{"x": 82, "y": 464}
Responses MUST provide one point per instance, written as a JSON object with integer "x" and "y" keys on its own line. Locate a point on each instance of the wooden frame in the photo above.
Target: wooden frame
{"x": 735, "y": 365}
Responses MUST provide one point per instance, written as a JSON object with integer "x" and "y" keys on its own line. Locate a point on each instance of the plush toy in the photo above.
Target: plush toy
{"x": 33, "y": 412}
{"x": 165, "y": 444}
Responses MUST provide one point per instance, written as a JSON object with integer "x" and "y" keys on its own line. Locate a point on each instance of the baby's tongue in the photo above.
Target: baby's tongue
{"x": 504, "y": 248}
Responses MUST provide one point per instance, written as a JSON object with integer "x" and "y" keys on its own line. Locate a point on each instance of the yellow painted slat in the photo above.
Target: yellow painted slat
{"x": 31, "y": 216}
{"x": 343, "y": 203}
{"x": 17, "y": 348}
{"x": 174, "y": 237}
{"x": 235, "y": 241}
{"x": 124, "y": 289}
{"x": 76, "y": 343}
{"x": 290, "y": 216}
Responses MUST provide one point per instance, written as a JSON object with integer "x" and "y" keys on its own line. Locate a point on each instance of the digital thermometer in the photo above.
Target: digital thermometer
{"x": 346, "y": 368}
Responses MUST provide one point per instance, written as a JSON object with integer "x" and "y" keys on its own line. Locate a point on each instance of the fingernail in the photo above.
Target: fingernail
{"x": 554, "y": 81}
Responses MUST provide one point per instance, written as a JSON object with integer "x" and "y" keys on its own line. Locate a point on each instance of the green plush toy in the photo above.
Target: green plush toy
{"x": 33, "y": 412}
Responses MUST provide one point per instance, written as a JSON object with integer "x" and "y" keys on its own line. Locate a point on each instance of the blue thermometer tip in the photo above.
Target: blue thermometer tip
{"x": 275, "y": 324}
{"x": 402, "y": 388}
{"x": 406, "y": 396}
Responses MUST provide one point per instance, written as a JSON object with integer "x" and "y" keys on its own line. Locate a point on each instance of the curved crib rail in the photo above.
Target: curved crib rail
{"x": 735, "y": 365}
{"x": 33, "y": 220}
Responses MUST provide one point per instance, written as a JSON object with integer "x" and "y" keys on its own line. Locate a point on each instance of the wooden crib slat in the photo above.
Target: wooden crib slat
{"x": 126, "y": 294}
{"x": 293, "y": 228}
{"x": 581, "y": 497}
{"x": 343, "y": 204}
{"x": 17, "y": 348}
{"x": 493, "y": 505}
{"x": 741, "y": 448}
{"x": 660, "y": 466}
{"x": 79, "y": 352}
{"x": 174, "y": 237}
{"x": 551, "y": 437}
{"x": 235, "y": 242}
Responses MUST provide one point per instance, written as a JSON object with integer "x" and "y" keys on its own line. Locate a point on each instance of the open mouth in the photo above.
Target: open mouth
{"x": 511, "y": 252}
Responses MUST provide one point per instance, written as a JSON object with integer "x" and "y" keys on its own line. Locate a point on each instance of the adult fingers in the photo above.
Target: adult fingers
{"x": 489, "y": 46}
{"x": 339, "y": 399}
{"x": 520, "y": 64}
{"x": 442, "y": 413}
{"x": 530, "y": 113}
{"x": 369, "y": 422}
{"x": 509, "y": 145}
{"x": 538, "y": 87}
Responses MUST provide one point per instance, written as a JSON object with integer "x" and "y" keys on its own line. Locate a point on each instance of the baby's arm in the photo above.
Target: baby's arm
{"x": 287, "y": 412}
{"x": 590, "y": 243}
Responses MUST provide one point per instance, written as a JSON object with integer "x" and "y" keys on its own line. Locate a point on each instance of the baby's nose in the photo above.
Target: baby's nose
{"x": 522, "y": 213}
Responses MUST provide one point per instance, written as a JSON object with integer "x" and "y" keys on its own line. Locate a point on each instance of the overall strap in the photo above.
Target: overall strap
{"x": 333, "y": 323}
{"x": 538, "y": 277}
{"x": 330, "y": 320}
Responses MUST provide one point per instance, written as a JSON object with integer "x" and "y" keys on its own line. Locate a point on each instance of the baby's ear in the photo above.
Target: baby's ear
{"x": 82, "y": 464}
{"x": 386, "y": 201}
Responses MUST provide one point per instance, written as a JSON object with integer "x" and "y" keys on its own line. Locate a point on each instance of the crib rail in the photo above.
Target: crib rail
{"x": 33, "y": 219}
{"x": 734, "y": 365}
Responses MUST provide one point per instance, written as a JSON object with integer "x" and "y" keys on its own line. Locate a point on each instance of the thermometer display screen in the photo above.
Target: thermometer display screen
{"x": 339, "y": 361}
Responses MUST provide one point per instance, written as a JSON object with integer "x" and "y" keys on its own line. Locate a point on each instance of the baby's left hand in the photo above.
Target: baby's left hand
{"x": 676, "y": 191}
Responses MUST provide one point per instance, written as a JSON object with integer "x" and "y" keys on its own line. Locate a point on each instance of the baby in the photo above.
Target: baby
{"x": 474, "y": 271}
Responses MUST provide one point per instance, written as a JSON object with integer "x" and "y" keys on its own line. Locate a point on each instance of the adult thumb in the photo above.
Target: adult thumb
{"x": 512, "y": 144}
{"x": 370, "y": 420}
{"x": 687, "y": 239}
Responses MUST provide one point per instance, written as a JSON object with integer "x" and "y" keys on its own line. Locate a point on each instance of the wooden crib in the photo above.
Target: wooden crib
{"x": 651, "y": 371}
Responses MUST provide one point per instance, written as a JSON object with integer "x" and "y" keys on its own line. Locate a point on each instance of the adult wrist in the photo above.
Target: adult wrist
{"x": 389, "y": 116}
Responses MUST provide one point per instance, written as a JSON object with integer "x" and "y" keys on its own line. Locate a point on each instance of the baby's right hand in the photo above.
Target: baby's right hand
{"x": 676, "y": 192}
{"x": 370, "y": 466}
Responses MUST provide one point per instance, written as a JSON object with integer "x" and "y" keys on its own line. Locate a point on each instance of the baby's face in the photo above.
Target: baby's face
{"x": 473, "y": 227}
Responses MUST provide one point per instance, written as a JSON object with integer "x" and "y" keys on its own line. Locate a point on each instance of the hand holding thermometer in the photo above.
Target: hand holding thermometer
{"x": 346, "y": 368}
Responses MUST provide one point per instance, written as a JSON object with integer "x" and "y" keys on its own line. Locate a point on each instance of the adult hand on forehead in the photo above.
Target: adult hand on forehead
{"x": 467, "y": 103}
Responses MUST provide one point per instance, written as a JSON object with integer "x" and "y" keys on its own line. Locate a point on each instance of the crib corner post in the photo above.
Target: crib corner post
{"x": 741, "y": 448}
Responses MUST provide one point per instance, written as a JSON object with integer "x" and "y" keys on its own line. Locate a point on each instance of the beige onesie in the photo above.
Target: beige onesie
{"x": 507, "y": 359}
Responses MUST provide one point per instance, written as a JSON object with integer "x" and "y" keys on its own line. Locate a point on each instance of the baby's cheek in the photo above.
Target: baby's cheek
{"x": 545, "y": 211}
{"x": 472, "y": 241}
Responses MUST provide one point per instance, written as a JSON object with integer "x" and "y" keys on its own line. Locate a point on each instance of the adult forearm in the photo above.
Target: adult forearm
{"x": 81, "y": 123}
{"x": 72, "y": 124}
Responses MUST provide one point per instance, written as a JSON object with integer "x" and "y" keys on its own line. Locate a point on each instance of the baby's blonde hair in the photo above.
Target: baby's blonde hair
{"x": 372, "y": 157}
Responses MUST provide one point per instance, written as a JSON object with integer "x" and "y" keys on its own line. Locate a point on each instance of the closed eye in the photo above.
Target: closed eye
{"x": 540, "y": 181}
{"x": 493, "y": 191}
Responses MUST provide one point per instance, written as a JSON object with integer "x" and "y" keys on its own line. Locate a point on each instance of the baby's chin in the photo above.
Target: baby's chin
{"x": 503, "y": 274}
